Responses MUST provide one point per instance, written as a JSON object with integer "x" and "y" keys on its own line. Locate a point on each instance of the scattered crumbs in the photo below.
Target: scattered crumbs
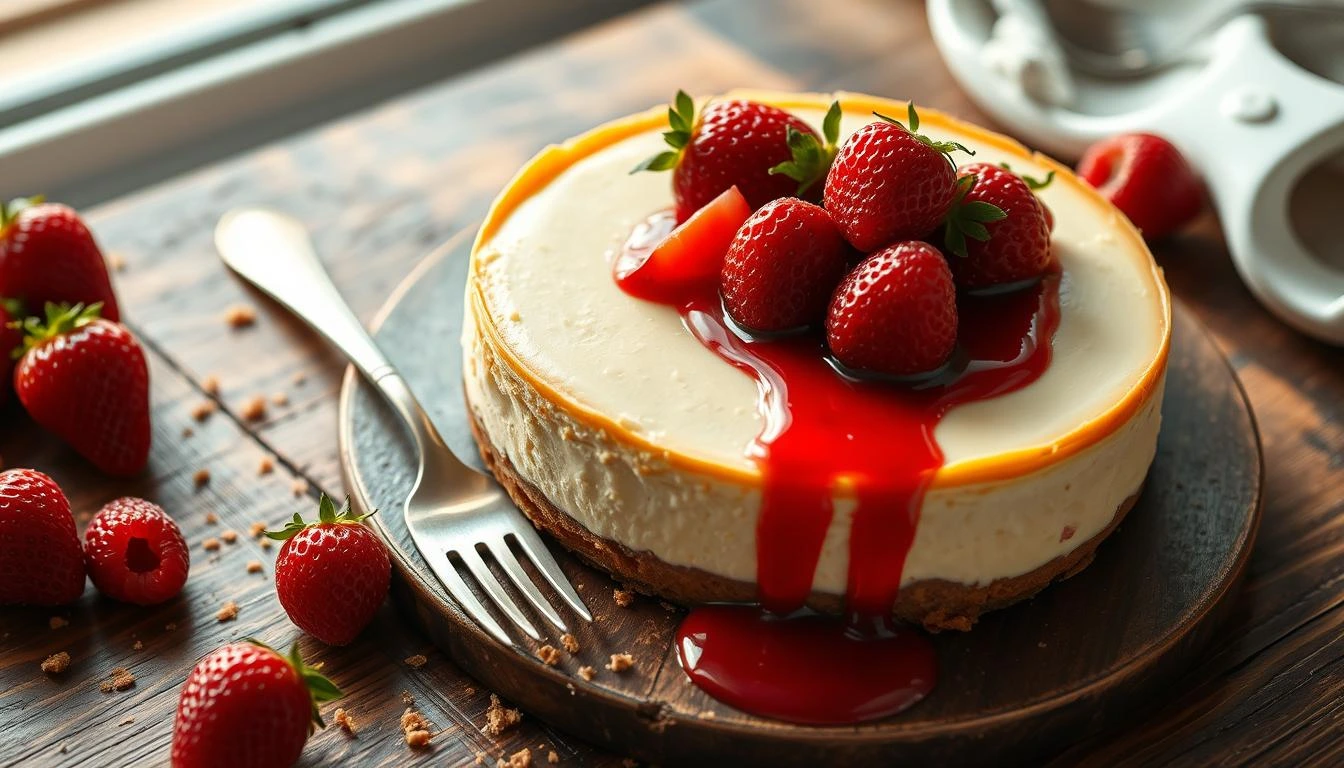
{"x": 620, "y": 662}
{"x": 587, "y": 673}
{"x": 623, "y": 597}
{"x": 265, "y": 544}
{"x": 254, "y": 566}
{"x": 705, "y": 714}
{"x": 417, "y": 739}
{"x": 138, "y": 645}
{"x": 210, "y": 545}
{"x": 299, "y": 378}
{"x": 230, "y": 612}
{"x": 188, "y": 432}
{"x": 170, "y": 626}
{"x": 552, "y": 757}
{"x": 469, "y": 691}
{"x": 480, "y": 758}
{"x": 280, "y": 398}
{"x": 202, "y": 410}
{"x": 416, "y": 728}
{"x": 299, "y": 488}
{"x": 520, "y": 759}
{"x": 570, "y": 687}
{"x": 256, "y": 530}
{"x": 407, "y": 699}
{"x": 126, "y": 721}
{"x": 1041, "y": 644}
{"x": 56, "y": 663}
{"x": 64, "y": 748}
{"x": 417, "y": 661}
{"x": 345, "y": 721}
{"x": 240, "y": 316}
{"x": 254, "y": 408}
{"x": 116, "y": 261}
{"x": 58, "y": 622}
{"x": 120, "y": 679}
{"x": 570, "y": 643}
{"x": 211, "y": 518}
{"x": 266, "y": 466}
{"x": 210, "y": 385}
{"x": 549, "y": 655}
{"x": 229, "y": 536}
{"x": 499, "y": 718}
{"x": 201, "y": 477}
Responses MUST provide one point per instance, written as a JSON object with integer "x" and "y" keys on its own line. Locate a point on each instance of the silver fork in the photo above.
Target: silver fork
{"x": 453, "y": 511}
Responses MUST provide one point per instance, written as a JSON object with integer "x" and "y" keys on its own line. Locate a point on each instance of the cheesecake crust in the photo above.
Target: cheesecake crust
{"x": 935, "y": 604}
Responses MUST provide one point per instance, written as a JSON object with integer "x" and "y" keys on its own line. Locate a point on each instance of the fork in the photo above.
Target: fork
{"x": 453, "y": 511}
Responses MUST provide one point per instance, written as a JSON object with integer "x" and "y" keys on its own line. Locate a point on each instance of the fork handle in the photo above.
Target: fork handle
{"x": 273, "y": 252}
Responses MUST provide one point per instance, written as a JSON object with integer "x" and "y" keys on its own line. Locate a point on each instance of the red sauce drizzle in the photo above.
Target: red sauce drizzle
{"x": 823, "y": 431}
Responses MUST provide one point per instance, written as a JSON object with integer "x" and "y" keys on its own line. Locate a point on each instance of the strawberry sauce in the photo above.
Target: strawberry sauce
{"x": 873, "y": 441}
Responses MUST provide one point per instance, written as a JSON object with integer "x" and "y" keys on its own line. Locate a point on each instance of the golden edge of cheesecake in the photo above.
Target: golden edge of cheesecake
{"x": 550, "y": 162}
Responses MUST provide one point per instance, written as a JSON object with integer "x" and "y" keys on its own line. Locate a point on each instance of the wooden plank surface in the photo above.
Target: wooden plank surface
{"x": 379, "y": 190}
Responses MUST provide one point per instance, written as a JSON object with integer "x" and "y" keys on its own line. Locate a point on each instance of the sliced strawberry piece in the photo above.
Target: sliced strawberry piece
{"x": 690, "y": 258}
{"x": 895, "y": 313}
{"x": 1146, "y": 178}
{"x": 782, "y": 267}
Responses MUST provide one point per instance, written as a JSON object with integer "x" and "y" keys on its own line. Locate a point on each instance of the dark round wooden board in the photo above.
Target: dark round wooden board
{"x": 1075, "y": 660}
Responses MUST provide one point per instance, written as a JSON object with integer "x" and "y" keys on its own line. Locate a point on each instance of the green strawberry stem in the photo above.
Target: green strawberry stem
{"x": 946, "y": 147}
{"x": 320, "y": 688}
{"x": 1035, "y": 185}
{"x": 681, "y": 123}
{"x": 326, "y": 513}
{"x": 9, "y": 211}
{"x": 60, "y": 320}
{"x": 812, "y": 159}
{"x": 968, "y": 219}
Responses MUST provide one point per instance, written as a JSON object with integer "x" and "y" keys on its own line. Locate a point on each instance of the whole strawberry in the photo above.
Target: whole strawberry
{"x": 11, "y": 340}
{"x": 998, "y": 230}
{"x": 86, "y": 380}
{"x": 40, "y": 560}
{"x": 890, "y": 183}
{"x": 782, "y": 267}
{"x": 246, "y": 706}
{"x": 895, "y": 313}
{"x": 47, "y": 254}
{"x": 764, "y": 151}
{"x": 135, "y": 553}
{"x": 332, "y": 575}
{"x": 1147, "y": 178}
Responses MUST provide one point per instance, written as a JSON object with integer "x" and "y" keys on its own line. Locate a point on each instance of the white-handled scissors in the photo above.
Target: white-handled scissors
{"x": 1252, "y": 121}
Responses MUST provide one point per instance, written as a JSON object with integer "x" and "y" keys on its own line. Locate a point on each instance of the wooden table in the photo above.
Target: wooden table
{"x": 379, "y": 190}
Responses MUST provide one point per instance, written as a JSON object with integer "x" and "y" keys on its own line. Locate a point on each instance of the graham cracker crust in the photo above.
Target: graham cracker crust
{"x": 935, "y": 604}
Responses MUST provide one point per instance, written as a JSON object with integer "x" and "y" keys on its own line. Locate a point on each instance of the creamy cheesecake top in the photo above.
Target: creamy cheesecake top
{"x": 542, "y": 284}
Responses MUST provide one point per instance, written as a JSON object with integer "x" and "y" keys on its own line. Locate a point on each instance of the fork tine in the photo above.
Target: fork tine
{"x": 472, "y": 559}
{"x": 504, "y": 556}
{"x": 457, "y": 587}
{"x": 532, "y": 544}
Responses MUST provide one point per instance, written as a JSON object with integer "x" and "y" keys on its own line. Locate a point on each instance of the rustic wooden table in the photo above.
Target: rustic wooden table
{"x": 379, "y": 190}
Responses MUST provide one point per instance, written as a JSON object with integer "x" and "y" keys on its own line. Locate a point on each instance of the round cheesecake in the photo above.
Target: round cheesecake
{"x": 617, "y": 431}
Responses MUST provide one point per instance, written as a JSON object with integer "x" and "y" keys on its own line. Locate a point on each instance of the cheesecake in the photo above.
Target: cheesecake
{"x": 628, "y": 430}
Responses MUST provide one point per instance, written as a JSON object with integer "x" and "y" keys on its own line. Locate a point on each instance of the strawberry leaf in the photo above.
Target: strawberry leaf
{"x": 1035, "y": 185}
{"x": 945, "y": 147}
{"x": 968, "y": 219}
{"x": 811, "y": 159}
{"x": 10, "y": 211}
{"x": 830, "y": 125}
{"x": 327, "y": 514}
{"x": 60, "y": 319}
{"x": 681, "y": 122}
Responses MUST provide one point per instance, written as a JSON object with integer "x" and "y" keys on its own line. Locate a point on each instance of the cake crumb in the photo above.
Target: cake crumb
{"x": 230, "y": 612}
{"x": 300, "y": 378}
{"x": 552, "y": 757}
{"x": 705, "y": 714}
{"x": 203, "y": 410}
{"x": 211, "y": 518}
{"x": 623, "y": 597}
{"x": 280, "y": 398}
{"x": 549, "y": 655}
{"x": 119, "y": 680}
{"x": 58, "y": 622}
{"x": 116, "y": 261}
{"x": 570, "y": 643}
{"x": 416, "y": 728}
{"x": 587, "y": 672}
{"x": 266, "y": 466}
{"x": 138, "y": 646}
{"x": 480, "y": 758}
{"x": 229, "y": 536}
{"x": 299, "y": 487}
{"x": 56, "y": 663}
{"x": 210, "y": 545}
{"x": 210, "y": 385}
{"x": 256, "y": 530}
{"x": 1067, "y": 533}
{"x": 254, "y": 566}
{"x": 240, "y": 316}
{"x": 418, "y": 739}
{"x": 417, "y": 661}
{"x": 344, "y": 721}
{"x": 264, "y": 543}
{"x": 520, "y": 759}
{"x": 620, "y": 662}
{"x": 254, "y": 408}
{"x": 407, "y": 699}
{"x": 188, "y": 432}
{"x": 499, "y": 718}
{"x": 201, "y": 478}
{"x": 126, "y": 721}
{"x": 170, "y": 626}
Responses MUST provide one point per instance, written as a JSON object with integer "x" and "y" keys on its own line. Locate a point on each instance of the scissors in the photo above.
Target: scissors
{"x": 1249, "y": 119}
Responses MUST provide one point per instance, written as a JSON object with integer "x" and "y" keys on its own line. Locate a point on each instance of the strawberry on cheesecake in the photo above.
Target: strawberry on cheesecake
{"x": 824, "y": 365}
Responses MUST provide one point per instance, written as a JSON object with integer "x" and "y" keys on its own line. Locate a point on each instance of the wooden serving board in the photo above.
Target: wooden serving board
{"x": 1077, "y": 659}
